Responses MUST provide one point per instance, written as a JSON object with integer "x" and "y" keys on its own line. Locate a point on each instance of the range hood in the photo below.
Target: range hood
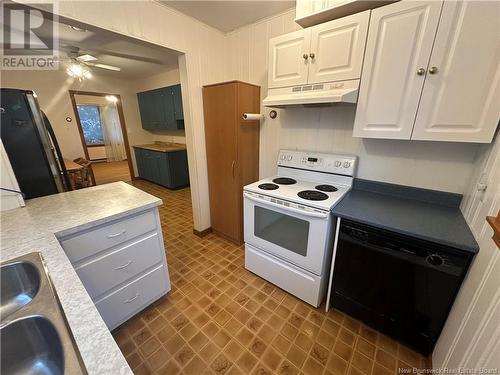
{"x": 313, "y": 94}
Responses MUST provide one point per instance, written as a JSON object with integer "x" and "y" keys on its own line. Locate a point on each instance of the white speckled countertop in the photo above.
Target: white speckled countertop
{"x": 36, "y": 228}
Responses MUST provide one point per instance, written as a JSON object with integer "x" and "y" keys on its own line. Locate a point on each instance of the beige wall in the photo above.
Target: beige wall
{"x": 434, "y": 165}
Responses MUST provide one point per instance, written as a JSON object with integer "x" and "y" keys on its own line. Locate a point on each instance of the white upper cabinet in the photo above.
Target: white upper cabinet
{"x": 337, "y": 48}
{"x": 329, "y": 52}
{"x": 397, "y": 53}
{"x": 461, "y": 96}
{"x": 313, "y": 12}
{"x": 288, "y": 59}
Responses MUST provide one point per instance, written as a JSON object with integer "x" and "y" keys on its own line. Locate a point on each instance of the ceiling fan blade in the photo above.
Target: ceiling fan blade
{"x": 86, "y": 58}
{"x": 104, "y": 66}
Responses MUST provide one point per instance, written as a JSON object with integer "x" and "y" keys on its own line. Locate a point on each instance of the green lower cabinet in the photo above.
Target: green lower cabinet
{"x": 169, "y": 169}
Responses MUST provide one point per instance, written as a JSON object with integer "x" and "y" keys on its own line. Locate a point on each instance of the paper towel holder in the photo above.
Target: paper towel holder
{"x": 252, "y": 116}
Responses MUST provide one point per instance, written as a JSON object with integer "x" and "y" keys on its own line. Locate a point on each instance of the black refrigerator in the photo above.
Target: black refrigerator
{"x": 31, "y": 145}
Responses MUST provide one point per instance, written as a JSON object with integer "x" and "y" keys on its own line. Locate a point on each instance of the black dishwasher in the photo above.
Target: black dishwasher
{"x": 397, "y": 284}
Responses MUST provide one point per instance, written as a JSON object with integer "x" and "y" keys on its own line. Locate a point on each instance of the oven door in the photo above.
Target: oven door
{"x": 298, "y": 236}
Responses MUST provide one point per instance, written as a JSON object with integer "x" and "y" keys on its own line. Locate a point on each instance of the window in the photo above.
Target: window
{"x": 90, "y": 119}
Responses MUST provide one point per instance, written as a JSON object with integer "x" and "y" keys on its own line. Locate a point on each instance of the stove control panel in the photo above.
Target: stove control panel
{"x": 321, "y": 162}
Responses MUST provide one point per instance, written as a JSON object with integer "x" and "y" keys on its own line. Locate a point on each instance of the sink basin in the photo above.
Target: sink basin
{"x": 31, "y": 346}
{"x": 35, "y": 338}
{"x": 20, "y": 283}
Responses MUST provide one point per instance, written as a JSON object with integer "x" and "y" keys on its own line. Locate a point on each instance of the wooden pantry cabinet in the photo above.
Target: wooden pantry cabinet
{"x": 431, "y": 72}
{"x": 232, "y": 146}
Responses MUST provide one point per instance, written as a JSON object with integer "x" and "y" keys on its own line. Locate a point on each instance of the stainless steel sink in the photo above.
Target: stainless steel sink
{"x": 31, "y": 346}
{"x": 19, "y": 284}
{"x": 34, "y": 335}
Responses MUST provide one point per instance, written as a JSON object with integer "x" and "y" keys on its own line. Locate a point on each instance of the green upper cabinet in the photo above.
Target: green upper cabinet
{"x": 161, "y": 108}
{"x": 177, "y": 96}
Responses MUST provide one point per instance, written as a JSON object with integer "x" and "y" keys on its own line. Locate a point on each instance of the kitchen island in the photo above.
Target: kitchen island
{"x": 41, "y": 225}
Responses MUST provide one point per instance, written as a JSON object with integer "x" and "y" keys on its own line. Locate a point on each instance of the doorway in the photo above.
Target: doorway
{"x": 102, "y": 128}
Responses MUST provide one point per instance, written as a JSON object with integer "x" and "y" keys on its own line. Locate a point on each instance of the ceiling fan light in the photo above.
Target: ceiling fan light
{"x": 79, "y": 71}
{"x": 75, "y": 70}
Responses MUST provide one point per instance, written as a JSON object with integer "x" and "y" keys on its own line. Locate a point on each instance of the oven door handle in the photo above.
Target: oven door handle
{"x": 318, "y": 215}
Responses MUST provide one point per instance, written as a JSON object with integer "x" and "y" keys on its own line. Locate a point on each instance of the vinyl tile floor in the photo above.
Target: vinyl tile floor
{"x": 220, "y": 318}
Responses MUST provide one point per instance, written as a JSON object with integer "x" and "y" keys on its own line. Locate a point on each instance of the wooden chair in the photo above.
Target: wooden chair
{"x": 84, "y": 177}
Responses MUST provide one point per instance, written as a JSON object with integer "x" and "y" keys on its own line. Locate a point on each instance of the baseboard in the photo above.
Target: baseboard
{"x": 202, "y": 233}
{"x": 226, "y": 237}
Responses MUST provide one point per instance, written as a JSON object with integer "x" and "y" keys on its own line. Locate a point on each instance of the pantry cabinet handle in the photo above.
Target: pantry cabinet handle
{"x": 131, "y": 299}
{"x": 433, "y": 70}
{"x": 420, "y": 71}
{"x": 312, "y": 55}
{"x": 116, "y": 234}
{"x": 124, "y": 266}
{"x": 305, "y": 56}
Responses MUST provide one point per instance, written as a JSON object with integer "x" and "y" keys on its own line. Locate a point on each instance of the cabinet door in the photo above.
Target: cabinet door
{"x": 166, "y": 103}
{"x": 143, "y": 100}
{"x": 177, "y": 101}
{"x": 338, "y": 47}
{"x": 287, "y": 64}
{"x": 399, "y": 44}
{"x": 139, "y": 161}
{"x": 155, "y": 108}
{"x": 461, "y": 95}
{"x": 221, "y": 117}
{"x": 157, "y": 163}
{"x": 146, "y": 166}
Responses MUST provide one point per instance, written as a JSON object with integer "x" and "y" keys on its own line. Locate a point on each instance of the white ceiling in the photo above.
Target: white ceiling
{"x": 229, "y": 15}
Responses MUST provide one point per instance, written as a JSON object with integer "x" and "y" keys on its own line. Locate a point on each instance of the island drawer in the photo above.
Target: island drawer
{"x": 106, "y": 272}
{"x": 88, "y": 243}
{"x": 135, "y": 296}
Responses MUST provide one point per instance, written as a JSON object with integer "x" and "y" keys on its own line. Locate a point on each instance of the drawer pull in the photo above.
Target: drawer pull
{"x": 124, "y": 266}
{"x": 131, "y": 299}
{"x": 116, "y": 234}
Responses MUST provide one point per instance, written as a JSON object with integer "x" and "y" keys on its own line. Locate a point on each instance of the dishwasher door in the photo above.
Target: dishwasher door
{"x": 399, "y": 285}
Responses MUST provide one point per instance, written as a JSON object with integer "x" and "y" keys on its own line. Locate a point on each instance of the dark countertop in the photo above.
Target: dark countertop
{"x": 425, "y": 214}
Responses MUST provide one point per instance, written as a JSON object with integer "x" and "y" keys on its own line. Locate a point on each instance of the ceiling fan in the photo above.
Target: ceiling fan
{"x": 80, "y": 64}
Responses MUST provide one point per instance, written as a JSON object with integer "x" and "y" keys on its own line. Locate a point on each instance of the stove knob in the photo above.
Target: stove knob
{"x": 283, "y": 157}
{"x": 338, "y": 163}
{"x": 347, "y": 164}
{"x": 289, "y": 157}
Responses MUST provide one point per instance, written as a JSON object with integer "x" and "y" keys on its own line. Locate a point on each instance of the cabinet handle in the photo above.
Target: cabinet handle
{"x": 232, "y": 167}
{"x": 116, "y": 234}
{"x": 305, "y": 56}
{"x": 420, "y": 71}
{"x": 124, "y": 266}
{"x": 311, "y": 55}
{"x": 131, "y": 299}
{"x": 433, "y": 70}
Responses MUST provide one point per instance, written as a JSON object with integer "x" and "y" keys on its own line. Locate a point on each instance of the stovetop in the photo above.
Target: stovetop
{"x": 291, "y": 192}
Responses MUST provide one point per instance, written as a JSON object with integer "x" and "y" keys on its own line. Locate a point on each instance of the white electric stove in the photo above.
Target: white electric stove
{"x": 287, "y": 222}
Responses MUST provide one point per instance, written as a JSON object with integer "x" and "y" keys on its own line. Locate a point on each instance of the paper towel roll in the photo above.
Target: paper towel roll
{"x": 252, "y": 116}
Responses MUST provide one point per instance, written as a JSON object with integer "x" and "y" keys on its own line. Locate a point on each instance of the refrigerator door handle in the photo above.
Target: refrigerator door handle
{"x": 52, "y": 136}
